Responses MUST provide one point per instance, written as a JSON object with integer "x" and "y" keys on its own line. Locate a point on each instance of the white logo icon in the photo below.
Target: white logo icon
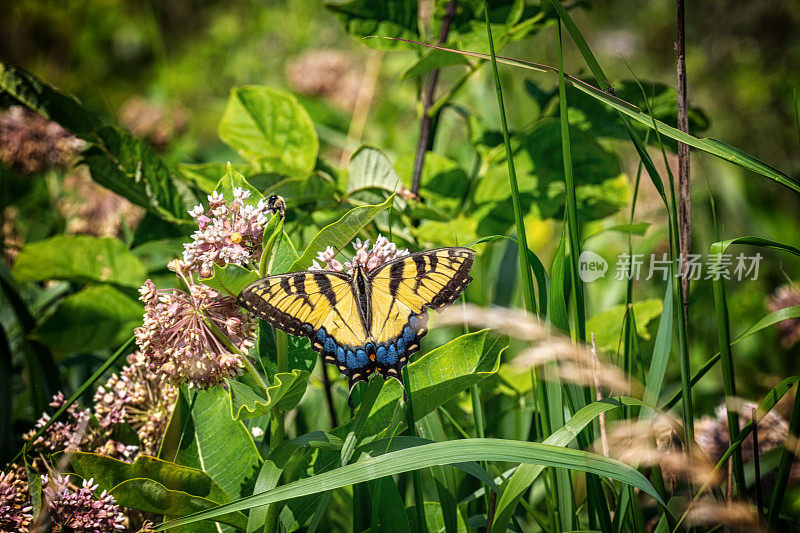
{"x": 591, "y": 266}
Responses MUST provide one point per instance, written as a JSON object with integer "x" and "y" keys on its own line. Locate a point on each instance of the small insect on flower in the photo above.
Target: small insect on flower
{"x": 368, "y": 315}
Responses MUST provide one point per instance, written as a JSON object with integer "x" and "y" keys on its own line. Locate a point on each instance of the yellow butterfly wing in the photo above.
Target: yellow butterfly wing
{"x": 402, "y": 292}
{"x": 316, "y": 304}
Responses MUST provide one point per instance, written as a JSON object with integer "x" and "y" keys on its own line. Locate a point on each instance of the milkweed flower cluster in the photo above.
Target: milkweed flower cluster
{"x": 136, "y": 397}
{"x": 79, "y": 510}
{"x": 15, "y": 509}
{"x": 178, "y": 339}
{"x": 227, "y": 232}
{"x": 367, "y": 258}
{"x": 72, "y": 433}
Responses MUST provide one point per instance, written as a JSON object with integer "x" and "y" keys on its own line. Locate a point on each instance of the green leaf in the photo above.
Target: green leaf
{"x": 79, "y": 257}
{"x": 369, "y": 168}
{"x": 442, "y": 182}
{"x": 95, "y": 318}
{"x": 234, "y": 180}
{"x": 108, "y": 473}
{"x": 339, "y": 233}
{"x": 131, "y": 168}
{"x": 269, "y": 128}
{"x": 607, "y": 326}
{"x": 155, "y": 486}
{"x": 230, "y": 279}
{"x": 438, "y": 376}
{"x": 206, "y": 175}
{"x": 434, "y": 519}
{"x": 207, "y": 438}
{"x": 390, "y": 18}
{"x": 285, "y": 394}
{"x": 153, "y": 497}
{"x": 31, "y": 92}
{"x": 440, "y": 453}
{"x": 431, "y": 60}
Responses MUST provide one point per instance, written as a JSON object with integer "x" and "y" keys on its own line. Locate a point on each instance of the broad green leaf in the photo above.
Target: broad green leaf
{"x": 108, "y": 473}
{"x": 284, "y": 256}
{"x": 438, "y": 376}
{"x": 230, "y": 279}
{"x": 207, "y": 438}
{"x": 95, "y": 318}
{"x": 369, "y": 168}
{"x": 285, "y": 393}
{"x": 153, "y": 497}
{"x": 269, "y": 128}
{"x": 207, "y": 175}
{"x": 273, "y": 234}
{"x": 439, "y": 453}
{"x": 301, "y": 355}
{"x": 131, "y": 168}
{"x": 607, "y": 326}
{"x": 390, "y": 18}
{"x": 155, "y": 486}
{"x": 341, "y": 232}
{"x": 31, "y": 92}
{"x": 231, "y": 180}
{"x": 79, "y": 257}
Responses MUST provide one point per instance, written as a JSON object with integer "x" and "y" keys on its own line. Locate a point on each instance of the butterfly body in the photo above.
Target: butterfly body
{"x": 370, "y": 321}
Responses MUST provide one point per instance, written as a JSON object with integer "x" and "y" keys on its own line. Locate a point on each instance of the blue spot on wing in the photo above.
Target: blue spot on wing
{"x": 380, "y": 354}
{"x": 391, "y": 355}
{"x": 361, "y": 357}
{"x": 340, "y": 354}
{"x": 408, "y": 335}
{"x": 330, "y": 345}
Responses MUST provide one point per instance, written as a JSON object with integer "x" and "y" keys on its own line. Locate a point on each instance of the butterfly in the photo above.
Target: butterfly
{"x": 370, "y": 321}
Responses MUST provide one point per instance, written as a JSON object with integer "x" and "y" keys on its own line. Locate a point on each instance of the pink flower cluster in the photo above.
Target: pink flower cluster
{"x": 15, "y": 509}
{"x": 227, "y": 232}
{"x": 79, "y": 510}
{"x": 179, "y": 338}
{"x": 136, "y": 397}
{"x": 70, "y": 434}
{"x": 382, "y": 252}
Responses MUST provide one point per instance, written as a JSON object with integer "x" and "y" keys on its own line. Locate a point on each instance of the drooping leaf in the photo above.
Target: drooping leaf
{"x": 269, "y": 128}
{"x": 26, "y": 89}
{"x": 339, "y": 233}
{"x": 94, "y": 318}
{"x": 153, "y": 497}
{"x": 390, "y": 18}
{"x": 285, "y": 393}
{"x": 79, "y": 257}
{"x": 207, "y": 438}
{"x": 369, "y": 168}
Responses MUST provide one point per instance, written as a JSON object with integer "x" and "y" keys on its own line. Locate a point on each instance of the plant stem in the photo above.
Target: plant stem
{"x": 415, "y": 475}
{"x": 425, "y": 141}
{"x": 571, "y": 200}
{"x": 326, "y": 384}
{"x": 248, "y": 365}
{"x": 684, "y": 189}
{"x": 788, "y": 455}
